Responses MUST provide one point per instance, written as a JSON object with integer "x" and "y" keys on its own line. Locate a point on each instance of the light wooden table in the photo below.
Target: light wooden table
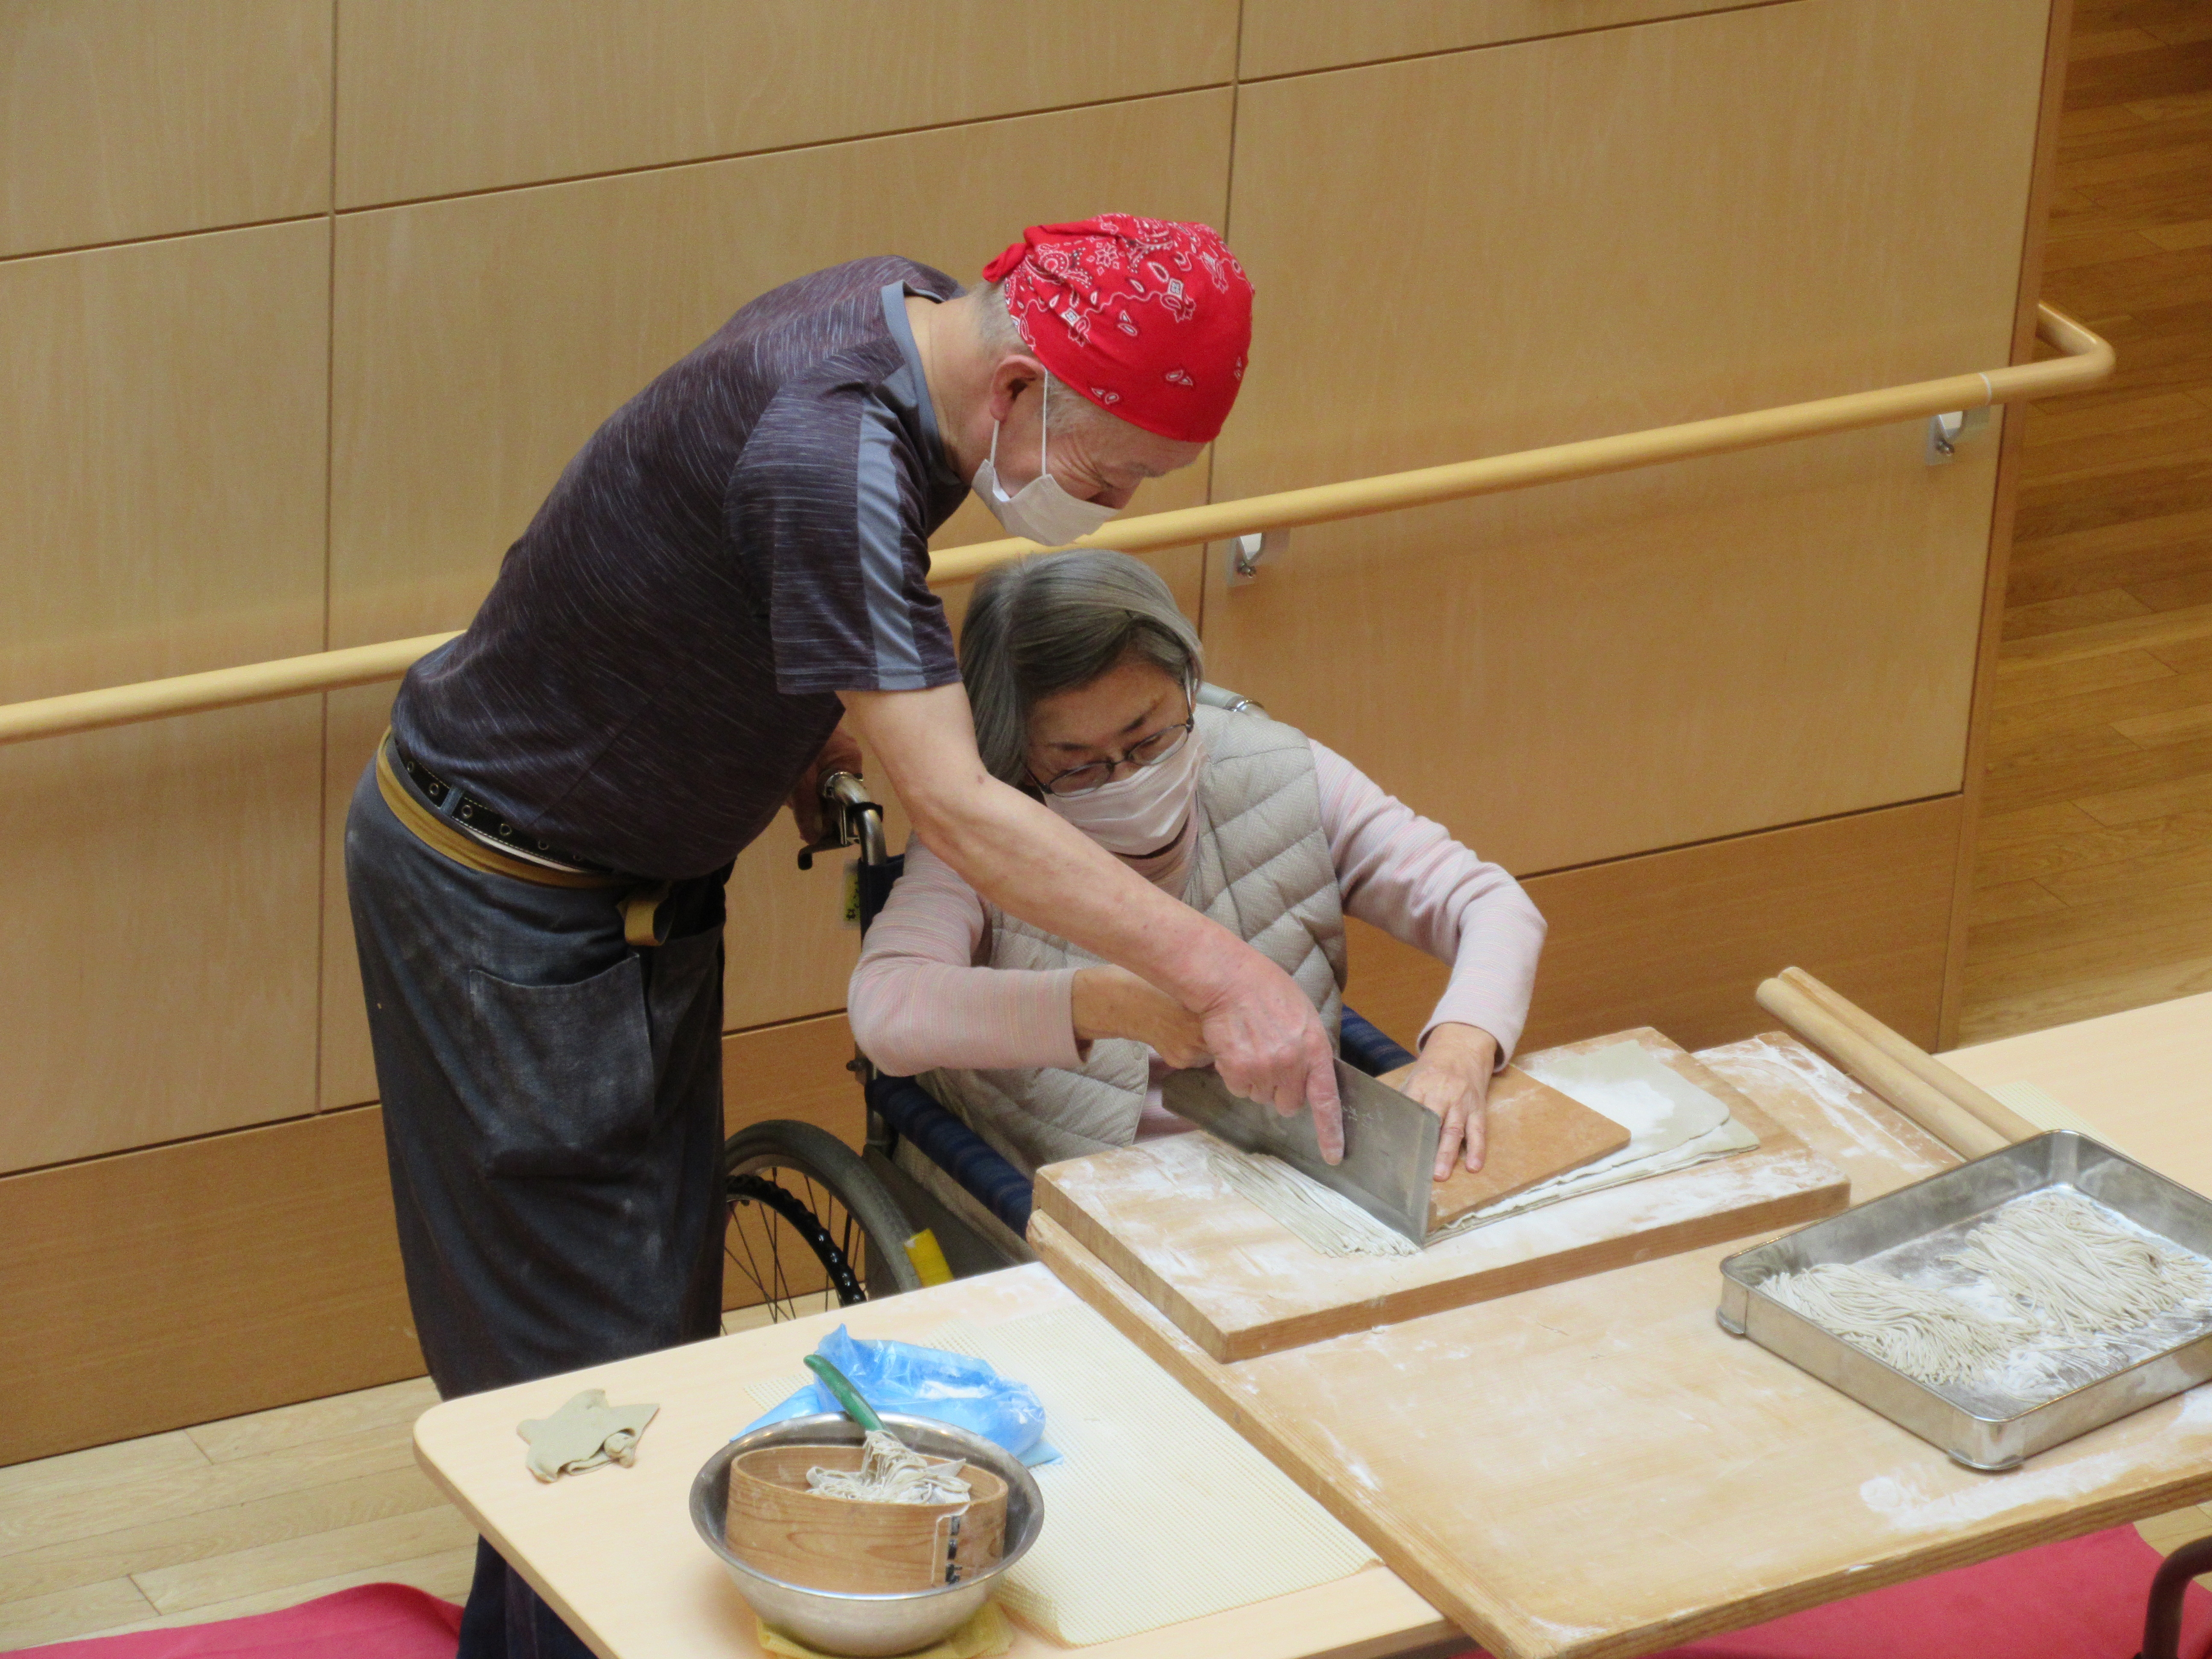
{"x": 2144, "y": 1077}
{"x": 1589, "y": 1470}
{"x": 614, "y": 1553}
{"x": 1594, "y": 1468}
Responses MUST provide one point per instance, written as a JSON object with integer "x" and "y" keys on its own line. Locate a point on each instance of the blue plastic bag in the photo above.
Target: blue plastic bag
{"x": 951, "y": 1387}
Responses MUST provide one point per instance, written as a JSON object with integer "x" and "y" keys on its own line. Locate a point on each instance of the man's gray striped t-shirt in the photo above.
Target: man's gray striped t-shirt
{"x": 746, "y": 538}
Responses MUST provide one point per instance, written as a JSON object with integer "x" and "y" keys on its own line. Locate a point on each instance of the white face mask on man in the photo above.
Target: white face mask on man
{"x": 1143, "y": 812}
{"x": 1040, "y": 509}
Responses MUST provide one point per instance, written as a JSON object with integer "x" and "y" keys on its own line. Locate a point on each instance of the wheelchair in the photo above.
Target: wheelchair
{"x": 811, "y": 1224}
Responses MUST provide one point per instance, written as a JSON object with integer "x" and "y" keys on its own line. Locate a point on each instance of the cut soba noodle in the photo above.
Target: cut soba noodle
{"x": 892, "y": 1472}
{"x": 2064, "y": 1295}
{"x": 2068, "y": 1267}
{"x": 1925, "y": 1333}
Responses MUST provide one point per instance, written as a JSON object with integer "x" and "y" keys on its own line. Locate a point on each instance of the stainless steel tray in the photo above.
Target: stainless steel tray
{"x": 1909, "y": 1232}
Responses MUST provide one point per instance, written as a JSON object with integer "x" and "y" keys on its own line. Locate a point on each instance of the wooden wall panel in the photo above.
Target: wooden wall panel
{"x": 1596, "y": 233}
{"x": 440, "y": 96}
{"x": 162, "y": 506}
{"x": 1679, "y": 940}
{"x": 223, "y": 1275}
{"x": 161, "y": 477}
{"x": 188, "y": 1283}
{"x": 2011, "y": 452}
{"x": 158, "y": 978}
{"x": 794, "y": 1070}
{"x": 120, "y": 120}
{"x": 1291, "y": 37}
{"x": 478, "y": 343}
{"x": 1603, "y": 229}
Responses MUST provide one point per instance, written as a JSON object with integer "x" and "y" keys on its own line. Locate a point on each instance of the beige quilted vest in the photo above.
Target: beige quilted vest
{"x": 1261, "y": 867}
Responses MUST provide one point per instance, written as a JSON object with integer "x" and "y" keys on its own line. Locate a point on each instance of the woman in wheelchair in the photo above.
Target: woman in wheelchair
{"x": 1088, "y": 691}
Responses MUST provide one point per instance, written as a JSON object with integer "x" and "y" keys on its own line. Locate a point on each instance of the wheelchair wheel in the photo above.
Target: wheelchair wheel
{"x": 808, "y": 1227}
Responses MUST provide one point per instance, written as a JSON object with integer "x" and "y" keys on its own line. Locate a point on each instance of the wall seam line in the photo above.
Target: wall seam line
{"x": 1518, "y": 40}
{"x": 329, "y": 468}
{"x": 110, "y": 1156}
{"x": 1228, "y": 189}
{"x": 829, "y": 1013}
{"x": 1739, "y": 834}
{"x": 162, "y": 236}
{"x": 721, "y": 157}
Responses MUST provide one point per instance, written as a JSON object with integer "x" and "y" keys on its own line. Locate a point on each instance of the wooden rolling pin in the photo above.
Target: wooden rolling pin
{"x": 1969, "y": 1121}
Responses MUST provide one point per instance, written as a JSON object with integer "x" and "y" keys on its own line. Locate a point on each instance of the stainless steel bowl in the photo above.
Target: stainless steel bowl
{"x": 839, "y": 1621}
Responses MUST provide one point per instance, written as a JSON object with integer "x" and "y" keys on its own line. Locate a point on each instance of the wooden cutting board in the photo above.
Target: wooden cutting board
{"x": 1241, "y": 1285}
{"x": 1535, "y": 1133}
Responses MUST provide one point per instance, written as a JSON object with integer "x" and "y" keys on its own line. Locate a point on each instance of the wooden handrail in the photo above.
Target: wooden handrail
{"x": 218, "y": 688}
{"x": 2086, "y": 359}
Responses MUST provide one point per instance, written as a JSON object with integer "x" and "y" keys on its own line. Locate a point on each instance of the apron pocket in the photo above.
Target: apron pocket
{"x": 683, "y": 986}
{"x": 572, "y": 1065}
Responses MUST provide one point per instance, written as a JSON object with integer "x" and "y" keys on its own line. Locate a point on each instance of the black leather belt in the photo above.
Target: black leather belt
{"x": 483, "y": 822}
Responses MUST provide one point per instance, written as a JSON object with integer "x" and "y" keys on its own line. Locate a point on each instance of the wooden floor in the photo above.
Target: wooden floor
{"x": 229, "y": 1518}
{"x": 2094, "y": 867}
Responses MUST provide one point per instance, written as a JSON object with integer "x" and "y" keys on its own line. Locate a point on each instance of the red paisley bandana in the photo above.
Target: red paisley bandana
{"x": 1150, "y": 319}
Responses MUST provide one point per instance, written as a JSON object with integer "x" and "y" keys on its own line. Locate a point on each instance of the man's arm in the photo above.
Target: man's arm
{"x": 1265, "y": 1039}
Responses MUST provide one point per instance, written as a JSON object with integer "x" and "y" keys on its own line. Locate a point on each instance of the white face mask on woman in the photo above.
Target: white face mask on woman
{"x": 1040, "y": 509}
{"x": 1143, "y": 812}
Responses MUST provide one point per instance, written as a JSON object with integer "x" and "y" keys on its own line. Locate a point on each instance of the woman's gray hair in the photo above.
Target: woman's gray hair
{"x": 1057, "y": 620}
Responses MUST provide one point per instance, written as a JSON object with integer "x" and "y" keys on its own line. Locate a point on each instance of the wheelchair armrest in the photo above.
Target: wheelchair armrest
{"x": 954, "y": 1147}
{"x": 1367, "y": 1048}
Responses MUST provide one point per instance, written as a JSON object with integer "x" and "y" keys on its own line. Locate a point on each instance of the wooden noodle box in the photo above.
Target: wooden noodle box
{"x": 1240, "y": 1285}
{"x": 803, "y": 1537}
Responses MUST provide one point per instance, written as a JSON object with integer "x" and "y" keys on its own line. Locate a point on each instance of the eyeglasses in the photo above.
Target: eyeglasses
{"x": 1145, "y": 751}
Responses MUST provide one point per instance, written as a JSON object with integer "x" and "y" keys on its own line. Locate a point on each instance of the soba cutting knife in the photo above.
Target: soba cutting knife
{"x": 1390, "y": 1141}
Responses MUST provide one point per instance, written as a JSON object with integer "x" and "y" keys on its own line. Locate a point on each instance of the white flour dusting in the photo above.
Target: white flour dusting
{"x": 1672, "y": 1124}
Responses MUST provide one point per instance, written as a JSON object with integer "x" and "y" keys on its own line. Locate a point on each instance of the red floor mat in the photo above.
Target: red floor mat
{"x": 374, "y": 1621}
{"x": 2082, "y": 1599}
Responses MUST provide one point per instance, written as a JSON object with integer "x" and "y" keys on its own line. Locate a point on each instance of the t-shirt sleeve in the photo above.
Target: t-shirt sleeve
{"x": 826, "y": 508}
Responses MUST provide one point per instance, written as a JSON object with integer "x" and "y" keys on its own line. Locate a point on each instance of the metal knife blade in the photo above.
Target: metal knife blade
{"x": 1390, "y": 1141}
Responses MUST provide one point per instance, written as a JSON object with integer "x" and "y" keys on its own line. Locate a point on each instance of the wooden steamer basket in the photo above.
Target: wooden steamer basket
{"x": 781, "y": 1528}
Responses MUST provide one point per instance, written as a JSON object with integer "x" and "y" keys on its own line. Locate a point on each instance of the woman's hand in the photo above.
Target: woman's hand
{"x": 1113, "y": 1002}
{"x": 1452, "y": 1079}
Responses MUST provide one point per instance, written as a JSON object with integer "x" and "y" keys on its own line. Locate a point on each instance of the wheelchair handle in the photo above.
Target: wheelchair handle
{"x": 848, "y": 817}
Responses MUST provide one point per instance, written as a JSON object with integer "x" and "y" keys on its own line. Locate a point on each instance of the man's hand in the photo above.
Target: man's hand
{"x": 1452, "y": 1079}
{"x": 1113, "y": 1002}
{"x": 1268, "y": 1046}
{"x": 840, "y": 754}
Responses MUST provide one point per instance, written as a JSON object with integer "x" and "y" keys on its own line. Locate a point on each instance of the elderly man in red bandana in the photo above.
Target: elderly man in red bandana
{"x": 737, "y": 560}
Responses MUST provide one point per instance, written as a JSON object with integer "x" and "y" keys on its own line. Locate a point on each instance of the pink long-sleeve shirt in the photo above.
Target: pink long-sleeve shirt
{"x": 923, "y": 995}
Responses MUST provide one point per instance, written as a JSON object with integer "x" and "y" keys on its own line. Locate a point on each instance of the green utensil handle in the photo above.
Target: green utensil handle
{"x": 840, "y": 1387}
